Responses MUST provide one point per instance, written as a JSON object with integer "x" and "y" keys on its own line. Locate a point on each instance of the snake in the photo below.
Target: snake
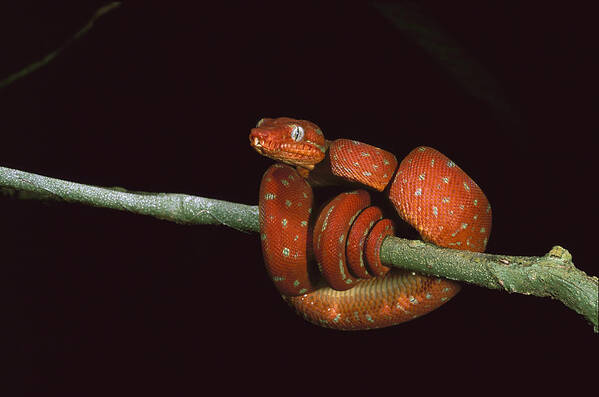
{"x": 326, "y": 264}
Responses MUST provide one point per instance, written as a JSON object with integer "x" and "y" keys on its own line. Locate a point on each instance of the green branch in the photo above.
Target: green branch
{"x": 179, "y": 208}
{"x": 552, "y": 275}
{"x": 45, "y": 60}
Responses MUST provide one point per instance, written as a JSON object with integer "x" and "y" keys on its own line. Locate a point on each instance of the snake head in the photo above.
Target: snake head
{"x": 295, "y": 142}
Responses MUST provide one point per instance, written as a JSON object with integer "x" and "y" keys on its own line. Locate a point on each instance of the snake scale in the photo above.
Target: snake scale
{"x": 326, "y": 265}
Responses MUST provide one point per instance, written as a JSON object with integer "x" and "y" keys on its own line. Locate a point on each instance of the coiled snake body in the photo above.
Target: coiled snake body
{"x": 427, "y": 189}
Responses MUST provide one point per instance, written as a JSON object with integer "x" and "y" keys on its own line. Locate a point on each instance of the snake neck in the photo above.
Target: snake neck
{"x": 321, "y": 174}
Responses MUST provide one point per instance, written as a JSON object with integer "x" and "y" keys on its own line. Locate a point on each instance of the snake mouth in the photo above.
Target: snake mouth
{"x": 263, "y": 147}
{"x": 292, "y": 154}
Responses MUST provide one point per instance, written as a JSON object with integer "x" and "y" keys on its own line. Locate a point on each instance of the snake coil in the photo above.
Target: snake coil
{"x": 428, "y": 190}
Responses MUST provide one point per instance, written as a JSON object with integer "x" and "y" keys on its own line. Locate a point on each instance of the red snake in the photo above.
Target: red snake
{"x": 428, "y": 190}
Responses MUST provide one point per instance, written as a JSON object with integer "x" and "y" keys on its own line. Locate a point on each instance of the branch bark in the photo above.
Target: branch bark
{"x": 553, "y": 274}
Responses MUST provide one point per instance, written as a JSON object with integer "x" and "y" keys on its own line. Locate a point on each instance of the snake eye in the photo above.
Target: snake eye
{"x": 297, "y": 133}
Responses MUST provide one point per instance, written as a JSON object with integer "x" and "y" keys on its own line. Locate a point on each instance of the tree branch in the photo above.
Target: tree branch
{"x": 553, "y": 274}
{"x": 45, "y": 60}
{"x": 179, "y": 208}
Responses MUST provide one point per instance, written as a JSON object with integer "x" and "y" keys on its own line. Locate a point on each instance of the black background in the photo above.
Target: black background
{"x": 160, "y": 96}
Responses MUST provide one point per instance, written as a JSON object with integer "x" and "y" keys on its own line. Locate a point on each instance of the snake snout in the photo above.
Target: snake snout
{"x": 256, "y": 138}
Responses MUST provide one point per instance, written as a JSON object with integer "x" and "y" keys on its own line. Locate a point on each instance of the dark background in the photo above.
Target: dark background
{"x": 160, "y": 96}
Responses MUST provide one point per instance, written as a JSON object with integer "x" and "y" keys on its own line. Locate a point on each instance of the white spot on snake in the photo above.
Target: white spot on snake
{"x": 385, "y": 161}
{"x": 288, "y": 203}
{"x": 304, "y": 223}
{"x": 421, "y": 149}
{"x": 285, "y": 251}
{"x": 413, "y": 300}
{"x": 356, "y": 164}
{"x": 369, "y": 318}
{"x": 475, "y": 202}
{"x": 366, "y": 173}
{"x": 475, "y": 217}
{"x": 375, "y": 166}
{"x": 443, "y": 299}
{"x": 422, "y": 176}
{"x": 278, "y": 279}
{"x": 341, "y": 238}
{"x": 303, "y": 291}
{"x": 428, "y": 296}
{"x": 337, "y": 317}
{"x": 483, "y": 230}
{"x": 450, "y": 164}
{"x": 400, "y": 307}
{"x": 446, "y": 289}
{"x": 418, "y": 192}
{"x": 285, "y": 182}
{"x": 445, "y": 200}
{"x": 296, "y": 237}
{"x": 305, "y": 195}
{"x": 364, "y": 154}
{"x": 270, "y": 196}
{"x": 342, "y": 271}
{"x": 435, "y": 211}
{"x": 466, "y": 186}
{"x": 488, "y": 208}
{"x": 445, "y": 179}
{"x": 461, "y": 206}
{"x": 284, "y": 222}
{"x": 296, "y": 283}
{"x": 326, "y": 218}
{"x": 432, "y": 163}
{"x": 263, "y": 236}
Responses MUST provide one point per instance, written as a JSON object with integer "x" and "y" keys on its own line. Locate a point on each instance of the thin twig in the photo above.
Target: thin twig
{"x": 45, "y": 60}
